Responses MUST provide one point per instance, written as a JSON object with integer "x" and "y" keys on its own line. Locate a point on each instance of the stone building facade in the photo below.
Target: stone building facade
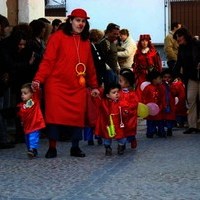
{"x": 18, "y": 11}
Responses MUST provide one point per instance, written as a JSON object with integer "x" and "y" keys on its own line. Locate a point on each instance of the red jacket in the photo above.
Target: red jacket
{"x": 64, "y": 97}
{"x": 107, "y": 108}
{"x": 180, "y": 107}
{"x": 129, "y": 103}
{"x": 31, "y": 116}
{"x": 153, "y": 94}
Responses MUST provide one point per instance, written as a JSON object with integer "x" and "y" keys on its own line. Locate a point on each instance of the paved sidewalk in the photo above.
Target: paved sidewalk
{"x": 159, "y": 169}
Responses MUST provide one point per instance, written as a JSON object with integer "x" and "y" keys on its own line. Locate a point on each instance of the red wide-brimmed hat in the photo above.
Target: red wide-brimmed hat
{"x": 79, "y": 13}
{"x": 145, "y": 37}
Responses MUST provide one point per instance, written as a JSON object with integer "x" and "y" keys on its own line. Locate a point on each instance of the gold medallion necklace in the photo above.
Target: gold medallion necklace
{"x": 80, "y": 67}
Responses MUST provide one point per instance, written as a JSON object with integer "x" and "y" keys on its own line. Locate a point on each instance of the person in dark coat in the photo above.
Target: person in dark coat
{"x": 188, "y": 62}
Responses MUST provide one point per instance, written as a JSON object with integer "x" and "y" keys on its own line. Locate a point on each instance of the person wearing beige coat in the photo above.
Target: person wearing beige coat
{"x": 171, "y": 46}
{"x": 127, "y": 49}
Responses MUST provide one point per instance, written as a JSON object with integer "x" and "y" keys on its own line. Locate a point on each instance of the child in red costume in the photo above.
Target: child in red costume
{"x": 180, "y": 105}
{"x": 170, "y": 93}
{"x": 108, "y": 121}
{"x": 31, "y": 117}
{"x": 129, "y": 103}
{"x": 152, "y": 93}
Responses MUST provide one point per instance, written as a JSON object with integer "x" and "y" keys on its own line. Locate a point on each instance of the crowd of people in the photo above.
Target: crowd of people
{"x": 65, "y": 78}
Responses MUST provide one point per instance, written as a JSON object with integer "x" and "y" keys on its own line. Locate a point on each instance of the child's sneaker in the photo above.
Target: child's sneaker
{"x": 108, "y": 150}
{"x": 99, "y": 141}
{"x": 30, "y": 153}
{"x": 169, "y": 132}
{"x": 90, "y": 143}
{"x": 35, "y": 152}
{"x": 134, "y": 144}
{"x": 120, "y": 149}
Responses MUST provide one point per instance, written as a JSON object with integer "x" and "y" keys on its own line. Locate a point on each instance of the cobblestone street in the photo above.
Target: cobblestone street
{"x": 159, "y": 169}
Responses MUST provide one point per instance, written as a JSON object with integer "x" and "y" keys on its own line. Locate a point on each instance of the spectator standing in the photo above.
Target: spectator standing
{"x": 4, "y": 27}
{"x": 171, "y": 46}
{"x": 95, "y": 37}
{"x": 189, "y": 61}
{"x": 127, "y": 49}
{"x": 91, "y": 105}
{"x": 66, "y": 69}
{"x": 55, "y": 25}
{"x": 108, "y": 50}
{"x": 36, "y": 44}
{"x": 16, "y": 60}
{"x": 5, "y": 80}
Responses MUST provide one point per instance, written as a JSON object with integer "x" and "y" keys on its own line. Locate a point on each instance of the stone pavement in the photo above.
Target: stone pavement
{"x": 159, "y": 169}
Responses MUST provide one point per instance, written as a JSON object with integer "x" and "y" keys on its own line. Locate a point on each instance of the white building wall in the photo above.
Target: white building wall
{"x": 3, "y": 8}
{"x": 30, "y": 10}
{"x": 138, "y": 16}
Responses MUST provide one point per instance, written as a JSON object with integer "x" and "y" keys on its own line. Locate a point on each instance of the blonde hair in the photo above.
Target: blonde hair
{"x": 96, "y": 35}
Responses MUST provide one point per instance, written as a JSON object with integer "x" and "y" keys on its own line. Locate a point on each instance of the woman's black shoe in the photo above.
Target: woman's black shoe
{"x": 190, "y": 131}
{"x": 51, "y": 153}
{"x": 76, "y": 152}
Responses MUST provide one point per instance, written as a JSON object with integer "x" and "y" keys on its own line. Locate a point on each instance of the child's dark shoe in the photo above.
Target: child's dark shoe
{"x": 99, "y": 141}
{"x": 108, "y": 150}
{"x": 30, "y": 154}
{"x": 149, "y": 135}
{"x": 120, "y": 149}
{"x": 90, "y": 143}
{"x": 169, "y": 132}
{"x": 134, "y": 144}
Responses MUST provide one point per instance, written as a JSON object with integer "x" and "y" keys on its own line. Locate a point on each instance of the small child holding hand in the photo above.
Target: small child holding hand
{"x": 30, "y": 114}
{"x": 108, "y": 121}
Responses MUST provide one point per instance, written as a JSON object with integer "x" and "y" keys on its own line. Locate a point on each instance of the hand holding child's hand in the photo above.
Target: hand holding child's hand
{"x": 35, "y": 85}
{"x": 95, "y": 92}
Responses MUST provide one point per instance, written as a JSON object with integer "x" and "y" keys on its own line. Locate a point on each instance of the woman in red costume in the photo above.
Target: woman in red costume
{"x": 146, "y": 59}
{"x": 65, "y": 71}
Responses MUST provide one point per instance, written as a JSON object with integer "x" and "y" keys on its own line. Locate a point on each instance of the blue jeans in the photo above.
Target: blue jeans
{"x": 108, "y": 142}
{"x": 155, "y": 127}
{"x": 32, "y": 140}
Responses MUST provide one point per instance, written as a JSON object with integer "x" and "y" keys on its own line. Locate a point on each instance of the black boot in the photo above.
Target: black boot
{"x": 120, "y": 149}
{"x": 76, "y": 152}
{"x": 169, "y": 132}
{"x": 108, "y": 150}
{"x": 51, "y": 153}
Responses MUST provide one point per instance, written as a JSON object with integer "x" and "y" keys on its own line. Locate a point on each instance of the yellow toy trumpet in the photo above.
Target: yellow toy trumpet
{"x": 111, "y": 128}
